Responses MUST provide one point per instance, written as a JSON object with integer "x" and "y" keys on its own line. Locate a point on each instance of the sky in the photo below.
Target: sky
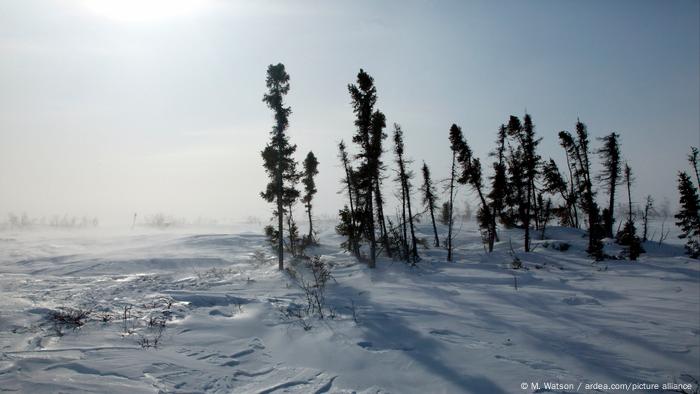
{"x": 110, "y": 108}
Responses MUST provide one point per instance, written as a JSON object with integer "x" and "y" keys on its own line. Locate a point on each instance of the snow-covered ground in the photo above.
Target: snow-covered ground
{"x": 439, "y": 327}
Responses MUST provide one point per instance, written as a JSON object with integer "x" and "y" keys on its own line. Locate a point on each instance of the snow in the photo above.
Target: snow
{"x": 440, "y": 327}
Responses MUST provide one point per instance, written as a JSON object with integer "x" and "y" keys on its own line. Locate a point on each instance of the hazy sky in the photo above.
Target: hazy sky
{"x": 113, "y": 107}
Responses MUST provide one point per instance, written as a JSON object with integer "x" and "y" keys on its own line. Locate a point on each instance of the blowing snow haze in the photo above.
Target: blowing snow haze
{"x": 114, "y": 107}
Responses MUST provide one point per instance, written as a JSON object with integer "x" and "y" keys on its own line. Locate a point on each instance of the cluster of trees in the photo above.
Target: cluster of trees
{"x": 523, "y": 189}
{"x": 363, "y": 217}
{"x": 281, "y": 167}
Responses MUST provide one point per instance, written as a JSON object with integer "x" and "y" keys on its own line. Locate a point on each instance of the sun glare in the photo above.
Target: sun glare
{"x": 144, "y": 10}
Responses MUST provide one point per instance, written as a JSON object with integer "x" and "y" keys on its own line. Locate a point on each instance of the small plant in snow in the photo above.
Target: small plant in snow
{"x": 66, "y": 317}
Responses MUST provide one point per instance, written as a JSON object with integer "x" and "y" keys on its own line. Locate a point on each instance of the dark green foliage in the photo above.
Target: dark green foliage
{"x": 499, "y": 180}
{"x": 471, "y": 174}
{"x": 377, "y": 135}
{"x": 404, "y": 178}
{"x": 364, "y": 97}
{"x": 310, "y": 171}
{"x": 457, "y": 146}
{"x": 577, "y": 153}
{"x": 350, "y": 223}
{"x": 648, "y": 210}
{"x": 272, "y": 235}
{"x": 628, "y": 237}
{"x": 689, "y": 214}
{"x": 524, "y": 164}
{"x": 348, "y": 228}
{"x": 277, "y": 155}
{"x": 554, "y": 184}
{"x": 429, "y": 199}
{"x": 610, "y": 176}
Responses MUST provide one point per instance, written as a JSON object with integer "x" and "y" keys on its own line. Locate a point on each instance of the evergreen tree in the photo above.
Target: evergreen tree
{"x": 277, "y": 155}
{"x": 554, "y": 183}
{"x": 348, "y": 216}
{"x": 578, "y": 153}
{"x": 689, "y": 214}
{"x": 648, "y": 210}
{"x": 430, "y": 199}
{"x": 377, "y": 135}
{"x": 405, "y": 180}
{"x": 310, "y": 171}
{"x": 528, "y": 161}
{"x": 628, "y": 236}
{"x": 456, "y": 145}
{"x": 364, "y": 97}
{"x": 499, "y": 180}
{"x": 609, "y": 176}
{"x": 471, "y": 174}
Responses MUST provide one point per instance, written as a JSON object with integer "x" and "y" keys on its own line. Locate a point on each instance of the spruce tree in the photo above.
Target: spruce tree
{"x": 310, "y": 171}
{"x": 612, "y": 168}
{"x": 689, "y": 214}
{"x": 405, "y": 179}
{"x": 377, "y": 135}
{"x": 456, "y": 146}
{"x": 628, "y": 236}
{"x": 430, "y": 199}
{"x": 499, "y": 180}
{"x": 648, "y": 210}
{"x": 529, "y": 161}
{"x": 515, "y": 199}
{"x": 277, "y": 155}
{"x": 578, "y": 153}
{"x": 554, "y": 183}
{"x": 348, "y": 216}
{"x": 364, "y": 97}
{"x": 471, "y": 174}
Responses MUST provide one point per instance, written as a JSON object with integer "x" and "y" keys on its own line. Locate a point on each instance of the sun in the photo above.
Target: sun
{"x": 143, "y": 10}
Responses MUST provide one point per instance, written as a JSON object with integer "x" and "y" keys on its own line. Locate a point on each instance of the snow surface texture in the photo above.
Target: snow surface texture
{"x": 186, "y": 310}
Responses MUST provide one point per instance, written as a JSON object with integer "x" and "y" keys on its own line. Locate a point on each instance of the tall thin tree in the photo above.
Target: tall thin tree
{"x": 349, "y": 217}
{"x": 377, "y": 135}
{"x": 364, "y": 97}
{"x": 310, "y": 171}
{"x": 456, "y": 146}
{"x": 430, "y": 199}
{"x": 277, "y": 155}
{"x": 578, "y": 152}
{"x": 610, "y": 176}
{"x": 405, "y": 179}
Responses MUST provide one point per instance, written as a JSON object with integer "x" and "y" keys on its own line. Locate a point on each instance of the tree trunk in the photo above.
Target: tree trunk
{"x": 372, "y": 239}
{"x": 414, "y": 249}
{"x": 311, "y": 223}
{"x": 432, "y": 218}
{"x": 526, "y": 221}
{"x": 403, "y": 218}
{"x": 380, "y": 218}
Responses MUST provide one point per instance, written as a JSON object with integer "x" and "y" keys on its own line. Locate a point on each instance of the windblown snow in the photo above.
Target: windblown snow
{"x": 195, "y": 310}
